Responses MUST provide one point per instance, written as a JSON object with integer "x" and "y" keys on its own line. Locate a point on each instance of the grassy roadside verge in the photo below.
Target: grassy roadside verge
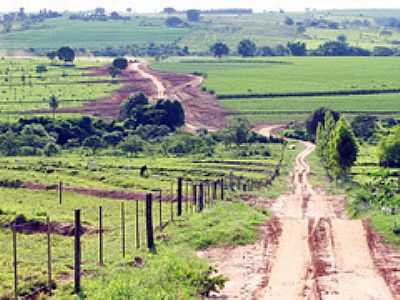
{"x": 381, "y": 222}
{"x": 175, "y": 272}
{"x": 280, "y": 185}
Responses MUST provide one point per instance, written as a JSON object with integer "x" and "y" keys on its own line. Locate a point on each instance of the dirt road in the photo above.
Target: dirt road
{"x": 315, "y": 254}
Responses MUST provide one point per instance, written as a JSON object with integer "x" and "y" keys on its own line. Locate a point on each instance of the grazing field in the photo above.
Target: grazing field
{"x": 29, "y": 193}
{"x": 278, "y": 75}
{"x": 23, "y": 88}
{"x": 230, "y": 77}
{"x": 266, "y": 29}
{"x": 56, "y": 33}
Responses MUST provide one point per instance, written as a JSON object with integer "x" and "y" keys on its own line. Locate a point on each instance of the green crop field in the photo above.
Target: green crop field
{"x": 297, "y": 75}
{"x": 23, "y": 89}
{"x": 56, "y": 33}
{"x": 266, "y": 29}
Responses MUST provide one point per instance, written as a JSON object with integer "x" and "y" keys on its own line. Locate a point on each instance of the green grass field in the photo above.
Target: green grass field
{"x": 23, "y": 89}
{"x": 59, "y": 32}
{"x": 297, "y": 75}
{"x": 266, "y": 29}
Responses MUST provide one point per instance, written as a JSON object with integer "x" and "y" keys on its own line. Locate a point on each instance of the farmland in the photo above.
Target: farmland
{"x": 79, "y": 34}
{"x": 23, "y": 89}
{"x": 144, "y": 29}
{"x": 296, "y": 75}
{"x": 184, "y": 176}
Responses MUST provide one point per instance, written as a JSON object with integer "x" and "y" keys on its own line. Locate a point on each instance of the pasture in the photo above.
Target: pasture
{"x": 23, "y": 88}
{"x": 248, "y": 77}
{"x": 59, "y": 32}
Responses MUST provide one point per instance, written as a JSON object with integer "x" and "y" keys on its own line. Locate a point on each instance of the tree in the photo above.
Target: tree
{"x": 297, "y": 48}
{"x": 174, "y": 113}
{"x": 316, "y": 117}
{"x": 364, "y": 126}
{"x": 51, "y": 149}
{"x": 53, "y": 104}
{"x": 342, "y": 39}
{"x": 343, "y": 149}
{"x": 100, "y": 12}
{"x": 389, "y": 149}
{"x": 289, "y": 21}
{"x": 8, "y": 143}
{"x": 133, "y": 105}
{"x": 193, "y": 15}
{"x": 219, "y": 49}
{"x": 51, "y": 55}
{"x": 174, "y": 22}
{"x": 113, "y": 138}
{"x": 93, "y": 142}
{"x": 169, "y": 10}
{"x": 120, "y": 63}
{"x": 66, "y": 54}
{"x": 132, "y": 144}
{"x": 247, "y": 48}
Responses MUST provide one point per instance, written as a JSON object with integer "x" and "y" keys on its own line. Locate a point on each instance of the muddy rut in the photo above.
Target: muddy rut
{"x": 313, "y": 253}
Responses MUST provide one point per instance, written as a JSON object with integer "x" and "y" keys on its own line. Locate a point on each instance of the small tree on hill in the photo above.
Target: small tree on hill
{"x": 53, "y": 104}
{"x": 193, "y": 15}
{"x": 219, "y": 49}
{"x": 52, "y": 56}
{"x": 66, "y": 54}
{"x": 93, "y": 142}
{"x": 247, "y": 48}
{"x": 120, "y": 63}
{"x": 133, "y": 144}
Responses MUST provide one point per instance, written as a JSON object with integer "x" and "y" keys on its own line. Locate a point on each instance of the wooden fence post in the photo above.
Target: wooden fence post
{"x": 172, "y": 202}
{"x": 201, "y": 197}
{"x": 160, "y": 210}
{"x": 137, "y": 225}
{"x": 149, "y": 222}
{"x": 15, "y": 261}
{"x": 49, "y": 269}
{"x": 101, "y": 249}
{"x": 77, "y": 262}
{"x": 60, "y": 192}
{"x": 123, "y": 242}
{"x": 222, "y": 189}
{"x": 187, "y": 196}
{"x": 194, "y": 196}
{"x": 179, "y": 197}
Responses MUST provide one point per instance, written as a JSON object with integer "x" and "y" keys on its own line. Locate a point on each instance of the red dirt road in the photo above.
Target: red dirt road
{"x": 317, "y": 253}
{"x": 201, "y": 108}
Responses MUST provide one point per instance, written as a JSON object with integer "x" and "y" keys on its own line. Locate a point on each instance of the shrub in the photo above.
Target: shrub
{"x": 27, "y": 151}
{"x": 51, "y": 149}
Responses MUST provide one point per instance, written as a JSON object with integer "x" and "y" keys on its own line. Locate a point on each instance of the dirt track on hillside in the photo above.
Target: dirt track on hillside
{"x": 315, "y": 254}
{"x": 201, "y": 108}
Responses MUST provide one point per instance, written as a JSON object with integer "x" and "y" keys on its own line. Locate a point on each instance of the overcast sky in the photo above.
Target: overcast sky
{"x": 153, "y": 5}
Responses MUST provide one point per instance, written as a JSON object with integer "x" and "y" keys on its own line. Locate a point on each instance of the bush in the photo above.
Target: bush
{"x": 364, "y": 127}
{"x": 27, "y": 151}
{"x": 120, "y": 63}
{"x": 390, "y": 149}
{"x": 51, "y": 149}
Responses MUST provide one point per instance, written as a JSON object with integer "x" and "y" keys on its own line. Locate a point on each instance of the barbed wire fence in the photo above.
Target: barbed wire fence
{"x": 109, "y": 241}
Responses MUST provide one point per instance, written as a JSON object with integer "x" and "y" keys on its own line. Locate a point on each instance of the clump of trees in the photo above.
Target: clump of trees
{"x": 389, "y": 154}
{"x": 47, "y": 136}
{"x": 336, "y": 145}
{"x": 247, "y": 48}
{"x": 219, "y": 49}
{"x": 364, "y": 126}
{"x": 193, "y": 15}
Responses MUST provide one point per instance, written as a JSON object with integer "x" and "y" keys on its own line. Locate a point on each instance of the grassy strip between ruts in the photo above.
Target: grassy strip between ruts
{"x": 175, "y": 272}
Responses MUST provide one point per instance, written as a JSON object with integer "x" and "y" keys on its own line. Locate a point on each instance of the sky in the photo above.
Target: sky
{"x": 156, "y": 5}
